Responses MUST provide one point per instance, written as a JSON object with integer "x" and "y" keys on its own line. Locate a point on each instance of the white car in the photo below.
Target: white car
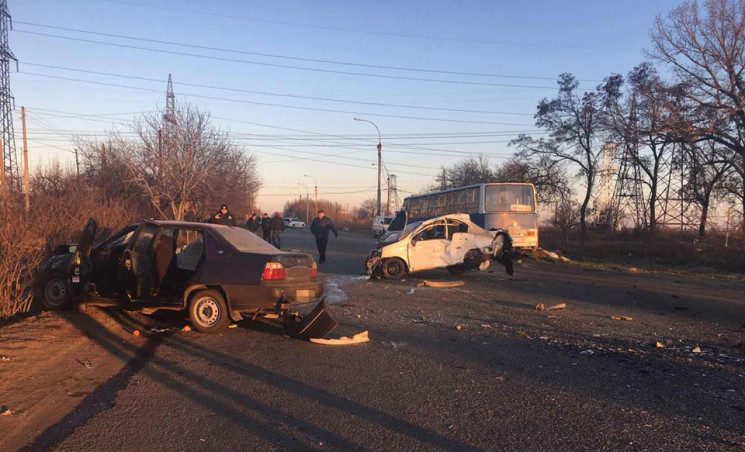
{"x": 449, "y": 241}
{"x": 380, "y": 225}
{"x": 293, "y": 222}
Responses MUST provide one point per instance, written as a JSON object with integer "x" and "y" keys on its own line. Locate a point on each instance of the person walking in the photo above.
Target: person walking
{"x": 253, "y": 223}
{"x": 266, "y": 227}
{"x": 223, "y": 216}
{"x": 278, "y": 225}
{"x": 320, "y": 228}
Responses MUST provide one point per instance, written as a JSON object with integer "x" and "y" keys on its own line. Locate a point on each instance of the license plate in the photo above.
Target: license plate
{"x": 304, "y": 295}
{"x": 76, "y": 279}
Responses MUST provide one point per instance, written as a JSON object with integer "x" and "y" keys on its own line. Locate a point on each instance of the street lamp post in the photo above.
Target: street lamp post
{"x": 307, "y": 201}
{"x": 315, "y": 187}
{"x": 380, "y": 157}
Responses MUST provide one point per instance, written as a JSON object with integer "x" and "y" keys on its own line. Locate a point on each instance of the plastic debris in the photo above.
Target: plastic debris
{"x": 440, "y": 284}
{"x": 5, "y": 411}
{"x": 136, "y": 333}
{"x": 557, "y": 306}
{"x": 458, "y": 327}
{"x": 162, "y": 330}
{"x": 622, "y": 317}
{"x": 233, "y": 325}
{"x": 587, "y": 352}
{"x": 186, "y": 329}
{"x": 659, "y": 344}
{"x": 697, "y": 349}
{"x": 410, "y": 292}
{"x": 5, "y": 358}
{"x": 540, "y": 307}
{"x": 358, "y": 338}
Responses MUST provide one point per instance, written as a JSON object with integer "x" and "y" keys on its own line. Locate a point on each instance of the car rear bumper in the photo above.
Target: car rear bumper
{"x": 266, "y": 294}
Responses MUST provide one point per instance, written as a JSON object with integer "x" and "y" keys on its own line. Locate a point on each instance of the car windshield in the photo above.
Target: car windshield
{"x": 411, "y": 227}
{"x": 245, "y": 241}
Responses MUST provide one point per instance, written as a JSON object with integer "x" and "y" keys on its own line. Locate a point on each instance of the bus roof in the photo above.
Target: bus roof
{"x": 470, "y": 186}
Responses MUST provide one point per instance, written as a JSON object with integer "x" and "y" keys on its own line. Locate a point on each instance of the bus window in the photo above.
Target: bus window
{"x": 471, "y": 200}
{"x": 450, "y": 206}
{"x": 509, "y": 198}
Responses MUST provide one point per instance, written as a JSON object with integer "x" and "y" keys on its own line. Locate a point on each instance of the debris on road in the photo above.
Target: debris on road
{"x": 439, "y": 284}
{"x": 233, "y": 325}
{"x": 87, "y": 364}
{"x": 5, "y": 411}
{"x": 659, "y": 344}
{"x": 5, "y": 358}
{"x": 553, "y": 317}
{"x": 697, "y": 349}
{"x": 458, "y": 327}
{"x": 540, "y": 307}
{"x": 557, "y": 306}
{"x": 163, "y": 330}
{"x": 622, "y": 317}
{"x": 186, "y": 329}
{"x": 358, "y": 338}
{"x": 587, "y": 352}
{"x": 136, "y": 333}
{"x": 410, "y": 292}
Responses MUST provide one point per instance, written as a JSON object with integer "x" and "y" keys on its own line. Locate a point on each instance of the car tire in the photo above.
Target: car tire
{"x": 394, "y": 268}
{"x": 56, "y": 293}
{"x": 208, "y": 311}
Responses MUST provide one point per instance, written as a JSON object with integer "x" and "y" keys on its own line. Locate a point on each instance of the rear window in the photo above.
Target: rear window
{"x": 509, "y": 198}
{"x": 245, "y": 241}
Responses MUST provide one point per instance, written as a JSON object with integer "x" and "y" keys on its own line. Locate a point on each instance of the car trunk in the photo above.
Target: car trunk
{"x": 298, "y": 267}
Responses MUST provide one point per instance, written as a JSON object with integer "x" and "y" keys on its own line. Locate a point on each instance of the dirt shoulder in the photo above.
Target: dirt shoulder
{"x": 49, "y": 363}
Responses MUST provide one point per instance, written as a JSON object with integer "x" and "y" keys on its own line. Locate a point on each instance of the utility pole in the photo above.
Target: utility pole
{"x": 77, "y": 164}
{"x": 27, "y": 195}
{"x": 388, "y": 201}
{"x": 10, "y": 159}
{"x": 380, "y": 158}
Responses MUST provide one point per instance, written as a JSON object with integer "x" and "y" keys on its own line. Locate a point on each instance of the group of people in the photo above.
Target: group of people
{"x": 271, "y": 228}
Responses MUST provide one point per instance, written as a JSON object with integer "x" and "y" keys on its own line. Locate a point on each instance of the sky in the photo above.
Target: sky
{"x": 442, "y": 80}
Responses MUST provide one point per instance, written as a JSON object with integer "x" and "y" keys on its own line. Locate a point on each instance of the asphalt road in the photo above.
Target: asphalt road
{"x": 470, "y": 368}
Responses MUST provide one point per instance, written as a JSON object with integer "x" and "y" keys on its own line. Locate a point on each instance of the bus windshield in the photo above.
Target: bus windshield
{"x": 509, "y": 198}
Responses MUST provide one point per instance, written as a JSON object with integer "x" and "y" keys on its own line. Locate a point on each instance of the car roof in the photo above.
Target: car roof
{"x": 186, "y": 224}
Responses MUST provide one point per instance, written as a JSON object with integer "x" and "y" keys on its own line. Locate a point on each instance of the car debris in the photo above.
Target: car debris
{"x": 540, "y": 307}
{"x": 697, "y": 349}
{"x": 5, "y": 358}
{"x": 557, "y": 306}
{"x": 186, "y": 329}
{"x": 136, "y": 333}
{"x": 358, "y": 338}
{"x": 410, "y": 292}
{"x": 622, "y": 317}
{"x": 458, "y": 327}
{"x": 233, "y": 325}
{"x": 659, "y": 344}
{"x": 88, "y": 364}
{"x": 440, "y": 284}
{"x": 163, "y": 330}
{"x": 313, "y": 326}
{"x": 5, "y": 411}
{"x": 587, "y": 352}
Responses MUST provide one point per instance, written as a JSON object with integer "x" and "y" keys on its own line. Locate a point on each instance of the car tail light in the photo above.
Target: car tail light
{"x": 314, "y": 270}
{"x": 531, "y": 232}
{"x": 273, "y": 270}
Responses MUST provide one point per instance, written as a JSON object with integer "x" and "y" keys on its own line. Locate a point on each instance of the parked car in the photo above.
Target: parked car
{"x": 380, "y": 225}
{"x": 292, "y": 222}
{"x": 449, "y": 241}
{"x": 216, "y": 273}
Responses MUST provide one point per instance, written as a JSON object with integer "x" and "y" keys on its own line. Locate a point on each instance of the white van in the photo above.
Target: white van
{"x": 380, "y": 225}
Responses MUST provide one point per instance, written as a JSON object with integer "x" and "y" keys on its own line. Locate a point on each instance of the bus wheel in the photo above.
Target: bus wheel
{"x": 394, "y": 268}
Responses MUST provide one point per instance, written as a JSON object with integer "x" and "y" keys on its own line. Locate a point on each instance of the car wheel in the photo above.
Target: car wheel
{"x": 394, "y": 268}
{"x": 56, "y": 292}
{"x": 208, "y": 311}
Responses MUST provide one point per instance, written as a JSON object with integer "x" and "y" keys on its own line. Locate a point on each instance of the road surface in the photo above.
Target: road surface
{"x": 471, "y": 368}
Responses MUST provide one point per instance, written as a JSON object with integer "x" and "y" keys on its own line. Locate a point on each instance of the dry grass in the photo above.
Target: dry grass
{"x": 26, "y": 238}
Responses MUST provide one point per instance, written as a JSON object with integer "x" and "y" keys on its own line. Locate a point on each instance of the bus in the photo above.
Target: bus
{"x": 508, "y": 206}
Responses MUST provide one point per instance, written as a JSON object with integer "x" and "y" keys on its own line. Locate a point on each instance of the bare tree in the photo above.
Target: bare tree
{"x": 366, "y": 210}
{"x": 705, "y": 47}
{"x": 548, "y": 176}
{"x": 465, "y": 172}
{"x": 183, "y": 160}
{"x": 708, "y": 164}
{"x": 573, "y": 122}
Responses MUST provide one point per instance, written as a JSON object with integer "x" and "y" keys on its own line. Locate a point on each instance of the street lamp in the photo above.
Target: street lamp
{"x": 380, "y": 157}
{"x": 316, "y": 189}
{"x": 307, "y": 201}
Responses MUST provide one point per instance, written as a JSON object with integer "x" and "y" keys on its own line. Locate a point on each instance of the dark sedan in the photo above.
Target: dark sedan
{"x": 217, "y": 273}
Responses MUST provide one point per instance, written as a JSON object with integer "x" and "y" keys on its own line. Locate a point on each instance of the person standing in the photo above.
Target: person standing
{"x": 320, "y": 228}
{"x": 266, "y": 227}
{"x": 278, "y": 225}
{"x": 223, "y": 216}
{"x": 253, "y": 223}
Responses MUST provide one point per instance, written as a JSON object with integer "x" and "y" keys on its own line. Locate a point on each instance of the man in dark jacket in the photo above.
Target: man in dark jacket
{"x": 320, "y": 228}
{"x": 223, "y": 216}
{"x": 278, "y": 225}
{"x": 253, "y": 223}
{"x": 266, "y": 227}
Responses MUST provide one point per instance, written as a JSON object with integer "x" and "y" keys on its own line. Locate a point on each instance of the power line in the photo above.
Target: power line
{"x": 284, "y": 66}
{"x": 351, "y": 30}
{"x": 266, "y": 93}
{"x": 286, "y": 57}
{"x": 240, "y": 101}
